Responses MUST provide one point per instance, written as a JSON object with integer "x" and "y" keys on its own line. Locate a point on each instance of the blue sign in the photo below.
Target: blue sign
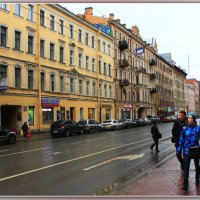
{"x": 104, "y": 28}
{"x": 139, "y": 50}
{"x": 3, "y": 87}
{"x": 50, "y": 102}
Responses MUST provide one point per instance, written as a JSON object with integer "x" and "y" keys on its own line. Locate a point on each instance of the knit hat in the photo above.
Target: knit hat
{"x": 193, "y": 115}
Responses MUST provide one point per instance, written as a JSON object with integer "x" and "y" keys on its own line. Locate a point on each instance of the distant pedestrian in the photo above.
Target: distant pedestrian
{"x": 25, "y": 128}
{"x": 176, "y": 131}
{"x": 155, "y": 135}
{"x": 190, "y": 136}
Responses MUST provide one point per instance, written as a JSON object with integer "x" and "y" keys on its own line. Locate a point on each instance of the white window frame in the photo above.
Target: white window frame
{"x": 88, "y": 43}
{"x": 63, "y": 53}
{"x": 33, "y": 78}
{"x": 21, "y": 10}
{"x": 4, "y": 6}
{"x": 21, "y": 36}
{"x": 63, "y": 26}
{"x": 94, "y": 65}
{"x": 44, "y": 80}
{"x": 7, "y": 38}
{"x": 70, "y": 31}
{"x": 44, "y": 47}
{"x": 44, "y": 17}
{"x": 29, "y": 13}
{"x": 72, "y": 57}
{"x": 88, "y": 88}
{"x": 54, "y": 82}
{"x": 81, "y": 92}
{"x": 54, "y": 53}
{"x": 110, "y": 91}
{"x": 33, "y": 43}
{"x": 73, "y": 85}
{"x": 63, "y": 83}
{"x": 54, "y": 22}
{"x": 80, "y": 62}
{"x": 87, "y": 68}
{"x": 94, "y": 89}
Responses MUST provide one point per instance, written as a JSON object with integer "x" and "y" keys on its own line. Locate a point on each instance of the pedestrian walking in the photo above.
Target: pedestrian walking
{"x": 189, "y": 137}
{"x": 25, "y": 128}
{"x": 155, "y": 135}
{"x": 176, "y": 131}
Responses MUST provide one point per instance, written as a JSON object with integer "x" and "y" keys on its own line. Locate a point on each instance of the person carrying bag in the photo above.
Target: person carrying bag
{"x": 189, "y": 144}
{"x": 156, "y": 135}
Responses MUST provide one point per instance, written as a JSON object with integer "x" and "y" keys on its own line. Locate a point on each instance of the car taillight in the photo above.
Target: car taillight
{"x": 62, "y": 126}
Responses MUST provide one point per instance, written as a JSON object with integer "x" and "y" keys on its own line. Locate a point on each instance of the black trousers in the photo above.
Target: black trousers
{"x": 155, "y": 139}
{"x": 187, "y": 160}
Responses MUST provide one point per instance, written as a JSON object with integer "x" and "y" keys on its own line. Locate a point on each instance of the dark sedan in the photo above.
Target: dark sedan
{"x": 90, "y": 126}
{"x": 129, "y": 123}
{"x": 65, "y": 128}
{"x": 7, "y": 135}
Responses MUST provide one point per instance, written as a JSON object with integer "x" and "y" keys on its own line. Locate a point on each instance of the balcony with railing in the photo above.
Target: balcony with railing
{"x": 153, "y": 91}
{"x": 123, "y": 45}
{"x": 124, "y": 82}
{"x": 123, "y": 63}
{"x": 140, "y": 69}
{"x": 152, "y": 62}
{"x": 152, "y": 76}
{"x": 3, "y": 84}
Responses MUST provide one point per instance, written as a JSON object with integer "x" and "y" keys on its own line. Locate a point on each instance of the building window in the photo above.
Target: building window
{"x": 100, "y": 66}
{"x": 105, "y": 91}
{"x": 72, "y": 86}
{"x": 18, "y": 9}
{"x": 17, "y": 40}
{"x": 31, "y": 115}
{"x": 94, "y": 89}
{"x": 80, "y": 60}
{"x": 30, "y": 79}
{"x": 3, "y": 75}
{"x": 104, "y": 69}
{"x": 80, "y": 35}
{"x": 52, "y": 22}
{"x": 110, "y": 91}
{"x": 81, "y": 114}
{"x": 3, "y": 36}
{"x": 80, "y": 87}
{"x": 88, "y": 88}
{"x": 4, "y": 6}
{"x": 87, "y": 62}
{"x": 52, "y": 46}
{"x": 31, "y": 12}
{"x": 109, "y": 70}
{"x": 93, "y": 65}
{"x": 93, "y": 42}
{"x": 108, "y": 114}
{"x": 42, "y": 81}
{"x": 109, "y": 50}
{"x": 30, "y": 44}
{"x": 71, "y": 31}
{"x": 61, "y": 54}
{"x": 61, "y": 25}
{"x": 61, "y": 84}
{"x": 100, "y": 89}
{"x": 42, "y": 18}
{"x": 42, "y": 43}
{"x": 99, "y": 45}
{"x": 91, "y": 113}
{"x": 52, "y": 79}
{"x": 47, "y": 115}
{"x": 87, "y": 39}
{"x": 17, "y": 77}
{"x": 104, "y": 47}
{"x": 71, "y": 57}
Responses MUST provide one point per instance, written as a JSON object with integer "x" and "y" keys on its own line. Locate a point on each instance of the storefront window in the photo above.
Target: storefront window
{"x": 91, "y": 113}
{"x": 47, "y": 115}
{"x": 108, "y": 114}
{"x": 62, "y": 110}
{"x": 31, "y": 115}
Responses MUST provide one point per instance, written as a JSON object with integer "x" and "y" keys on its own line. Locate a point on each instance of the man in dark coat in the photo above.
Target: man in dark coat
{"x": 176, "y": 131}
{"x": 155, "y": 135}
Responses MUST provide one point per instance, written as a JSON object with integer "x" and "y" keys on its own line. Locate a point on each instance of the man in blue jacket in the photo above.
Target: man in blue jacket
{"x": 189, "y": 137}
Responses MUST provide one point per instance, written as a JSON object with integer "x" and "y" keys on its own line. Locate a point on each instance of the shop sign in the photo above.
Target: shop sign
{"x": 3, "y": 88}
{"x": 106, "y": 106}
{"x": 50, "y": 102}
{"x": 128, "y": 106}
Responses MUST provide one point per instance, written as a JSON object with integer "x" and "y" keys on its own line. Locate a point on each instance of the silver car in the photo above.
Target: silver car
{"x": 112, "y": 125}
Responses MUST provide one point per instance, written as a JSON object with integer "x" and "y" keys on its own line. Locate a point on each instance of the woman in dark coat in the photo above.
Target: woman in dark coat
{"x": 155, "y": 135}
{"x": 25, "y": 129}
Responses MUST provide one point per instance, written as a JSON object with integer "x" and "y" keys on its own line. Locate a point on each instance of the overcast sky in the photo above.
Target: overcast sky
{"x": 176, "y": 27}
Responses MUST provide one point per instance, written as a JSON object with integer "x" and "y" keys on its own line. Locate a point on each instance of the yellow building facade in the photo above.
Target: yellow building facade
{"x": 51, "y": 67}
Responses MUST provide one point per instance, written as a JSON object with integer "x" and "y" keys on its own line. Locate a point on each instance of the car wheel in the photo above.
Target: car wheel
{"x": 11, "y": 139}
{"x": 81, "y": 132}
{"x": 67, "y": 133}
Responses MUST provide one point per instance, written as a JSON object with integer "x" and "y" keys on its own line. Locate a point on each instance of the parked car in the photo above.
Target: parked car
{"x": 6, "y": 135}
{"x": 129, "y": 123}
{"x": 153, "y": 118}
{"x": 140, "y": 122}
{"x": 168, "y": 119}
{"x": 65, "y": 128}
{"x": 90, "y": 126}
{"x": 112, "y": 125}
{"x": 147, "y": 121}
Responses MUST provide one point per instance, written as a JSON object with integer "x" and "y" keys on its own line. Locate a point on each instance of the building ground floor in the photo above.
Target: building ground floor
{"x": 16, "y": 109}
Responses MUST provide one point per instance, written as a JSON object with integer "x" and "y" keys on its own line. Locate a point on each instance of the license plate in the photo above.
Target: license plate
{"x": 55, "y": 131}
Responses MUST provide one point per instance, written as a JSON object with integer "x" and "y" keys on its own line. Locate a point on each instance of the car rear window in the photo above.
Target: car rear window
{"x": 107, "y": 121}
{"x": 58, "y": 123}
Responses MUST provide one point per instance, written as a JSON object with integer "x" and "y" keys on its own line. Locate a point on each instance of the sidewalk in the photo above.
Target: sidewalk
{"x": 165, "y": 180}
{"x": 35, "y": 136}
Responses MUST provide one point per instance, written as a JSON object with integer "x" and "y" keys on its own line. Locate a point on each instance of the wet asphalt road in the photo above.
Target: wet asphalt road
{"x": 79, "y": 165}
